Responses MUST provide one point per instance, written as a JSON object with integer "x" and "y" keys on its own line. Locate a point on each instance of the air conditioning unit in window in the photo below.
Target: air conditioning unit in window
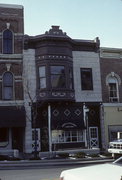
{"x": 113, "y": 99}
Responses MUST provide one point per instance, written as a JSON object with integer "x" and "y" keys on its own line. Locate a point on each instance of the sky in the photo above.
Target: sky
{"x": 80, "y": 19}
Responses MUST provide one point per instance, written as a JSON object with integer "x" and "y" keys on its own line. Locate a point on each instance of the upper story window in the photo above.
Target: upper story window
{"x": 70, "y": 79}
{"x": 42, "y": 76}
{"x": 7, "y": 42}
{"x": 58, "y": 79}
{"x": 8, "y": 86}
{"x": 86, "y": 79}
{"x": 113, "y": 89}
{"x": 113, "y": 82}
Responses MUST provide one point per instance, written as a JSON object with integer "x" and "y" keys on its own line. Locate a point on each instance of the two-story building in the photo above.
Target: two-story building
{"x": 111, "y": 79}
{"x": 63, "y": 79}
{"x": 56, "y": 93}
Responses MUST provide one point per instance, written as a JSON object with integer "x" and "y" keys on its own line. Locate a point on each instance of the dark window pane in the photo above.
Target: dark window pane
{"x": 113, "y": 89}
{"x": 7, "y": 42}
{"x": 58, "y": 77}
{"x": 8, "y": 79}
{"x": 8, "y": 93}
{"x": 57, "y": 69}
{"x": 3, "y": 134}
{"x": 86, "y": 79}
{"x": 57, "y": 81}
{"x": 71, "y": 79}
{"x": 8, "y": 86}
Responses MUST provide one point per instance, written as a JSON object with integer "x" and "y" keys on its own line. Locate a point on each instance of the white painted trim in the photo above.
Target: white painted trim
{"x": 11, "y": 6}
{"x": 11, "y": 61}
{"x": 12, "y": 103}
{"x": 112, "y": 104}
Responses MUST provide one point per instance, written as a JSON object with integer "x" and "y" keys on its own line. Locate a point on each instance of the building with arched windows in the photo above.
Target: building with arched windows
{"x": 111, "y": 79}
{"x": 12, "y": 111}
{"x": 57, "y": 94}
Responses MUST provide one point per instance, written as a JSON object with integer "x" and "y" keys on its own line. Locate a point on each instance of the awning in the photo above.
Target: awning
{"x": 67, "y": 117}
{"x": 12, "y": 116}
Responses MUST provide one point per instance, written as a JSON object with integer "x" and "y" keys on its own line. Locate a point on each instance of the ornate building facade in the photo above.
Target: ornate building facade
{"x": 12, "y": 111}
{"x": 56, "y": 93}
{"x": 65, "y": 86}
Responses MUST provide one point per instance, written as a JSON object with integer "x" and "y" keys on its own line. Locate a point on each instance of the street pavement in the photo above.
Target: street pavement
{"x": 42, "y": 169}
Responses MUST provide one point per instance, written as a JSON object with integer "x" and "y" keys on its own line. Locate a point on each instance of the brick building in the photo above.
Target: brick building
{"x": 12, "y": 113}
{"x": 56, "y": 93}
{"x": 111, "y": 78}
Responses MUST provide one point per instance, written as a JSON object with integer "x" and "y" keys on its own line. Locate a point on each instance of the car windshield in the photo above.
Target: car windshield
{"x": 118, "y": 161}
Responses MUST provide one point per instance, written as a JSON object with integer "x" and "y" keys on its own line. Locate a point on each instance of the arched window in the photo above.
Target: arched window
{"x": 8, "y": 86}
{"x": 113, "y": 89}
{"x": 7, "y": 42}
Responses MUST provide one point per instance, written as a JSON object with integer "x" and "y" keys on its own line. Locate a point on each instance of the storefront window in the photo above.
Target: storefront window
{"x": 3, "y": 137}
{"x": 61, "y": 136}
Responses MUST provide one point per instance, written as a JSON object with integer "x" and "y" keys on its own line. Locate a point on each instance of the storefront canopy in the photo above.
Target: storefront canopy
{"x": 12, "y": 116}
{"x": 67, "y": 117}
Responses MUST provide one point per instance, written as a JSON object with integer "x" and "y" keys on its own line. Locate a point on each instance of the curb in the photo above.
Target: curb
{"x": 44, "y": 163}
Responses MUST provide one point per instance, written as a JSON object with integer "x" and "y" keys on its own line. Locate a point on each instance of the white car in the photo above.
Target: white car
{"x": 107, "y": 171}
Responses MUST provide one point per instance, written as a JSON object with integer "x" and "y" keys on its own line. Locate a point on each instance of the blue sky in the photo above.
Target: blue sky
{"x": 80, "y": 19}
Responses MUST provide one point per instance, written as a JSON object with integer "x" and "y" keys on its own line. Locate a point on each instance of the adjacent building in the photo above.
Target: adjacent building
{"x": 111, "y": 78}
{"x": 12, "y": 111}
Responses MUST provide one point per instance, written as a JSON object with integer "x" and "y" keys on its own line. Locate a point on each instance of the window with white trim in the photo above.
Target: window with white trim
{"x": 113, "y": 89}
{"x": 63, "y": 136}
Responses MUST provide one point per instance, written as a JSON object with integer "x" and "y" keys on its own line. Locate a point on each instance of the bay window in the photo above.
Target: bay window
{"x": 58, "y": 77}
{"x": 42, "y": 77}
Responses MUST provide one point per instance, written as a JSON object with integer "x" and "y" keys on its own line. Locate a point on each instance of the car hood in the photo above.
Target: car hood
{"x": 95, "y": 172}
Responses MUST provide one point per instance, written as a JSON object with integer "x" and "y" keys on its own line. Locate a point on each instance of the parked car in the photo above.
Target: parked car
{"x": 107, "y": 171}
{"x": 115, "y": 148}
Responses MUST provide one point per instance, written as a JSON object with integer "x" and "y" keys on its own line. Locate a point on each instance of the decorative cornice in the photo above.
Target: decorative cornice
{"x": 111, "y": 53}
{"x": 14, "y": 6}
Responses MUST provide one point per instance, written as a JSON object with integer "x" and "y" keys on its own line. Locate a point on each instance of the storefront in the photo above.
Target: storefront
{"x": 12, "y": 126}
{"x": 65, "y": 126}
